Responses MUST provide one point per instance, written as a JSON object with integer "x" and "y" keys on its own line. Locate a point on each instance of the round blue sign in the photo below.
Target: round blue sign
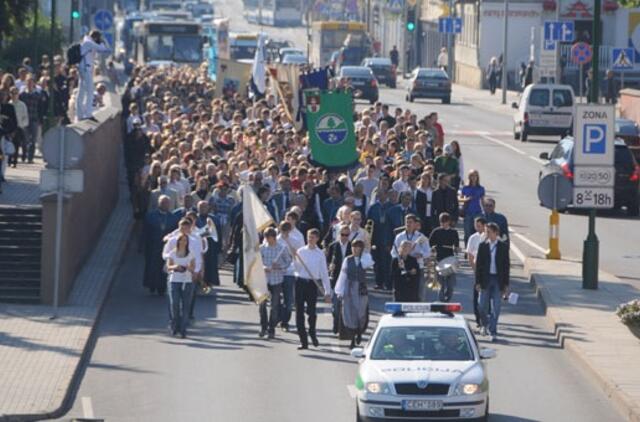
{"x": 103, "y": 19}
{"x": 331, "y": 129}
{"x": 581, "y": 53}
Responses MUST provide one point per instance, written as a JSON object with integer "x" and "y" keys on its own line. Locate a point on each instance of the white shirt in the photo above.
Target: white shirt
{"x": 293, "y": 242}
{"x": 401, "y": 186}
{"x": 179, "y": 188}
{"x": 185, "y": 277}
{"x": 196, "y": 247}
{"x": 88, "y": 50}
{"x": 315, "y": 261}
{"x": 22, "y": 113}
{"x": 341, "y": 284}
{"x": 443, "y": 59}
{"x": 474, "y": 243}
{"x": 422, "y": 246}
{"x": 429, "y": 193}
{"x": 492, "y": 249}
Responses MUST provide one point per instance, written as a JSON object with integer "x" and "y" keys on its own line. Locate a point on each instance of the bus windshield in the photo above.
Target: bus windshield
{"x": 183, "y": 48}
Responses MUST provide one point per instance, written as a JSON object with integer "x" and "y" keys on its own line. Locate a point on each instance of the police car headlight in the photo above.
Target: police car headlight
{"x": 378, "y": 388}
{"x": 468, "y": 389}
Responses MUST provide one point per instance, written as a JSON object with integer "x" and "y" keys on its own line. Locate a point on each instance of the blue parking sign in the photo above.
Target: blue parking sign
{"x": 456, "y": 25}
{"x": 595, "y": 139}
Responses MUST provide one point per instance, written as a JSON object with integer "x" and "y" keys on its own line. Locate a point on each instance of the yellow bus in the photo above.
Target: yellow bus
{"x": 328, "y": 37}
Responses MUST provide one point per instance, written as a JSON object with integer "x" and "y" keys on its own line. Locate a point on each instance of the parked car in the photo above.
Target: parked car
{"x": 629, "y": 132}
{"x": 361, "y": 80}
{"x": 627, "y": 171}
{"x": 544, "y": 109}
{"x": 429, "y": 83}
{"x": 383, "y": 70}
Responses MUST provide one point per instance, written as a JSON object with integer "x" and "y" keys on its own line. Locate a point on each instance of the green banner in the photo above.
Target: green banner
{"x": 329, "y": 118}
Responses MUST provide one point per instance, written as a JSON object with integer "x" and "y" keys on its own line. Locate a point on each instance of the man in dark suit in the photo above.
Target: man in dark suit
{"x": 492, "y": 278}
{"x": 397, "y": 213}
{"x": 336, "y": 253}
{"x": 445, "y": 199}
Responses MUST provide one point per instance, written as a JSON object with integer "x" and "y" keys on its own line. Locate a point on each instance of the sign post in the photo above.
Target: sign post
{"x": 581, "y": 53}
{"x": 622, "y": 59}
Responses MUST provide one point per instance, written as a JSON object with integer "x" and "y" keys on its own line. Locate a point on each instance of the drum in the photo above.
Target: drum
{"x": 447, "y": 266}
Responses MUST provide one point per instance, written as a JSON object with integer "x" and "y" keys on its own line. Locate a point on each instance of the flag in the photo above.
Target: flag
{"x": 258, "y": 70}
{"x": 255, "y": 219}
{"x": 329, "y": 119}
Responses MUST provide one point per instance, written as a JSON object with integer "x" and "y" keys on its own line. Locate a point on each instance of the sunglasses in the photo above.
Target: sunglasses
{"x": 344, "y": 234}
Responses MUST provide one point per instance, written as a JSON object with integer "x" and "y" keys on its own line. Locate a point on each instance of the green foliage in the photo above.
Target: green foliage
{"x": 13, "y": 14}
{"x": 629, "y": 3}
{"x": 23, "y": 42}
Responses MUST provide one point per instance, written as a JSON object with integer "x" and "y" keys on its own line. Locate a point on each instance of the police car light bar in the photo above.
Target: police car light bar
{"x": 398, "y": 308}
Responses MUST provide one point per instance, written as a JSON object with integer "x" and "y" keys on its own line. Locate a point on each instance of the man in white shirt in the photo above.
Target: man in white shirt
{"x": 443, "y": 59}
{"x": 311, "y": 269}
{"x": 472, "y": 252}
{"x": 421, "y": 249}
{"x": 292, "y": 239}
{"x": 90, "y": 46}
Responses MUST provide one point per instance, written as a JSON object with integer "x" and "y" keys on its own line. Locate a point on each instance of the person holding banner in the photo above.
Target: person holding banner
{"x": 312, "y": 275}
{"x": 275, "y": 260}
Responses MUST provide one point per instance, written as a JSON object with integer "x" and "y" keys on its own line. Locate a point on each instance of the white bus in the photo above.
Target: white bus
{"x": 274, "y": 12}
{"x": 163, "y": 42}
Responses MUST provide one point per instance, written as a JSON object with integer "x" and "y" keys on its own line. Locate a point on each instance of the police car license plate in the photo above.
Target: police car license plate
{"x": 422, "y": 404}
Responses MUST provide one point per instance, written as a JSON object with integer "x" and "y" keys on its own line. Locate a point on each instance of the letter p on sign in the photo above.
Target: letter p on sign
{"x": 595, "y": 139}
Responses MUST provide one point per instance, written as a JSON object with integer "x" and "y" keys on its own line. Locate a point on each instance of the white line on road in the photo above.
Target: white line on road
{"x": 87, "y": 408}
{"x": 504, "y": 144}
{"x": 516, "y": 250}
{"x": 529, "y": 242}
{"x": 352, "y": 391}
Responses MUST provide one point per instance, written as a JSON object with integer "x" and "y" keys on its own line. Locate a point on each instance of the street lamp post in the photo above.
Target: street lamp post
{"x": 590, "y": 253}
{"x": 505, "y": 33}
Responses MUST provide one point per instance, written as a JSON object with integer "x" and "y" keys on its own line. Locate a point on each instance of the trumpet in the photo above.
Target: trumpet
{"x": 368, "y": 227}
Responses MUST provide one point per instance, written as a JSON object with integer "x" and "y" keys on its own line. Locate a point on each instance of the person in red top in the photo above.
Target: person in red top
{"x": 297, "y": 182}
{"x": 439, "y": 142}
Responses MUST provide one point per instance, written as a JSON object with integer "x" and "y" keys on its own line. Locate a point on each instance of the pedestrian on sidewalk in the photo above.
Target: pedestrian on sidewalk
{"x": 471, "y": 196}
{"x": 351, "y": 290}
{"x": 394, "y": 55}
{"x": 8, "y": 125}
{"x": 445, "y": 240}
{"x": 91, "y": 45}
{"x": 492, "y": 74}
{"x": 443, "y": 59}
{"x": 492, "y": 278}
{"x": 181, "y": 264}
{"x": 22, "y": 116}
{"x": 276, "y": 260}
{"x": 480, "y": 224}
{"x": 311, "y": 270}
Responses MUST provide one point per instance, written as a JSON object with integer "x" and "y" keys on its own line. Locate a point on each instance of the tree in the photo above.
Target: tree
{"x": 629, "y": 3}
{"x": 13, "y": 14}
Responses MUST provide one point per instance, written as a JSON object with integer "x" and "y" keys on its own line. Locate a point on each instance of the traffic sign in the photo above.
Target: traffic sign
{"x": 622, "y": 58}
{"x": 581, "y": 53}
{"x": 549, "y": 45}
{"x": 73, "y": 150}
{"x": 72, "y": 180}
{"x": 395, "y": 6}
{"x": 103, "y": 20}
{"x": 450, "y": 25}
{"x": 593, "y": 156}
{"x": 559, "y": 31}
{"x": 108, "y": 36}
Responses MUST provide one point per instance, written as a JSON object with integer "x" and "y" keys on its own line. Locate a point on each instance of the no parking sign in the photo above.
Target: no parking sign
{"x": 581, "y": 53}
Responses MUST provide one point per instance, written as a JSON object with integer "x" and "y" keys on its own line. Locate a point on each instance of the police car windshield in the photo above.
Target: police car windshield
{"x": 422, "y": 343}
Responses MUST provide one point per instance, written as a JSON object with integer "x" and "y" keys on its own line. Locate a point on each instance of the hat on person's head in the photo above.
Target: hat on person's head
{"x": 448, "y": 149}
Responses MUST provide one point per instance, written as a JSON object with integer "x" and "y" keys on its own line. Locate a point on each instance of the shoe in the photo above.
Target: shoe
{"x": 303, "y": 347}
{"x": 358, "y": 339}
{"x": 352, "y": 345}
{"x": 314, "y": 341}
{"x": 484, "y": 331}
{"x": 262, "y": 333}
{"x": 335, "y": 327}
{"x": 494, "y": 338}
{"x": 271, "y": 335}
{"x": 284, "y": 327}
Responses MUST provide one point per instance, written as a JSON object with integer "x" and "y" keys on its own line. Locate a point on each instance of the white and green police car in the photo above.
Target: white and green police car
{"x": 422, "y": 363}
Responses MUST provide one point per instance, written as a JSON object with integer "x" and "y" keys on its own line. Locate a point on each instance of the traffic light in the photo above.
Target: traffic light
{"x": 376, "y": 15}
{"x": 411, "y": 19}
{"x": 75, "y": 9}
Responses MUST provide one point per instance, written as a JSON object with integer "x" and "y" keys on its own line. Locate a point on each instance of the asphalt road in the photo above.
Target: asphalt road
{"x": 223, "y": 371}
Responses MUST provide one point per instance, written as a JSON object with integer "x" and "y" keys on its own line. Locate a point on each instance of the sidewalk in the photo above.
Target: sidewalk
{"x": 40, "y": 358}
{"x": 482, "y": 98}
{"x": 589, "y": 329}
{"x": 23, "y": 184}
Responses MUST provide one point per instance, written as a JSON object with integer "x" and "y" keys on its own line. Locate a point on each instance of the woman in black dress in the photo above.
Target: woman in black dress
{"x": 404, "y": 274}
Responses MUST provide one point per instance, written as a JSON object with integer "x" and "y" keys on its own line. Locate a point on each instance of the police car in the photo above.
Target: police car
{"x": 422, "y": 363}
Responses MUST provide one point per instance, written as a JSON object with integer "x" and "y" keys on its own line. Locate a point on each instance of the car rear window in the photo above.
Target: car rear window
{"x": 432, "y": 74}
{"x": 562, "y": 98}
{"x": 539, "y": 97}
{"x": 626, "y": 128}
{"x": 359, "y": 72}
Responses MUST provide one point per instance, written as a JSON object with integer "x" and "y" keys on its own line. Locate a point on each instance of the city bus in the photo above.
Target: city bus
{"x": 243, "y": 46}
{"x": 328, "y": 37}
{"x": 161, "y": 42}
{"x": 274, "y": 12}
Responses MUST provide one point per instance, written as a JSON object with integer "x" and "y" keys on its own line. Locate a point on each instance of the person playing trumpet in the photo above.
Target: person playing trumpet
{"x": 420, "y": 249}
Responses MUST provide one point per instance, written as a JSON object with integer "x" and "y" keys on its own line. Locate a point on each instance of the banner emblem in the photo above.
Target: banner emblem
{"x": 331, "y": 129}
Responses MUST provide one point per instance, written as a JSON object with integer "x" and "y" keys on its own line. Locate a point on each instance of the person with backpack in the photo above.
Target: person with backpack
{"x": 84, "y": 55}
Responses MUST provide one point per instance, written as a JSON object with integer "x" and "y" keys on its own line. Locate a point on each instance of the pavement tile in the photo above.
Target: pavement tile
{"x": 22, "y": 185}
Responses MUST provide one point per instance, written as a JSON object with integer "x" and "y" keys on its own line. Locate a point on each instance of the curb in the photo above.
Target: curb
{"x": 621, "y": 401}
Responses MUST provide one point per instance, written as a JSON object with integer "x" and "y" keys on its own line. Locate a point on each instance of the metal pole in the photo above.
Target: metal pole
{"x": 450, "y": 57}
{"x": 558, "y": 75}
{"x": 58, "y": 240}
{"x": 554, "y": 225}
{"x": 581, "y": 81}
{"x": 505, "y": 35}
{"x": 368, "y": 17}
{"x": 52, "y": 53}
{"x": 590, "y": 255}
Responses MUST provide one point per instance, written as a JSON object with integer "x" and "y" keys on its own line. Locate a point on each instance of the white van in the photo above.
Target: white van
{"x": 544, "y": 109}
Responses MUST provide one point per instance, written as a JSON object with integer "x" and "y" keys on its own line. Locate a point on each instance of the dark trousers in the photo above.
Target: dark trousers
{"x": 268, "y": 323}
{"x": 382, "y": 267}
{"x": 18, "y": 139}
{"x": 476, "y": 305}
{"x": 306, "y": 293}
{"x": 29, "y": 143}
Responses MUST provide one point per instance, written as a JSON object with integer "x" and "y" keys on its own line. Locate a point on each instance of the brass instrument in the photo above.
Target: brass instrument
{"x": 368, "y": 227}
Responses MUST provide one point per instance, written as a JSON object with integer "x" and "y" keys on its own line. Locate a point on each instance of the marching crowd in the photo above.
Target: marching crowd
{"x": 190, "y": 154}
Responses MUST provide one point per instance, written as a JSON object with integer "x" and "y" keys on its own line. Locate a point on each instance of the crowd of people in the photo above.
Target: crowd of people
{"x": 189, "y": 155}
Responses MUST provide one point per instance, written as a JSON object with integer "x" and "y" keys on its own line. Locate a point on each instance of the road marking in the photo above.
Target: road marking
{"x": 504, "y": 144}
{"x": 518, "y": 252}
{"x": 352, "y": 391}
{"x": 87, "y": 408}
{"x": 529, "y": 242}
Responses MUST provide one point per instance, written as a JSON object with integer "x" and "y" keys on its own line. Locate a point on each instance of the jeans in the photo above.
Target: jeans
{"x": 288, "y": 298}
{"x": 30, "y": 140}
{"x": 269, "y": 323}
{"x": 447, "y": 283}
{"x": 180, "y": 298}
{"x": 306, "y": 293}
{"x": 84, "y": 101}
{"x": 491, "y": 295}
